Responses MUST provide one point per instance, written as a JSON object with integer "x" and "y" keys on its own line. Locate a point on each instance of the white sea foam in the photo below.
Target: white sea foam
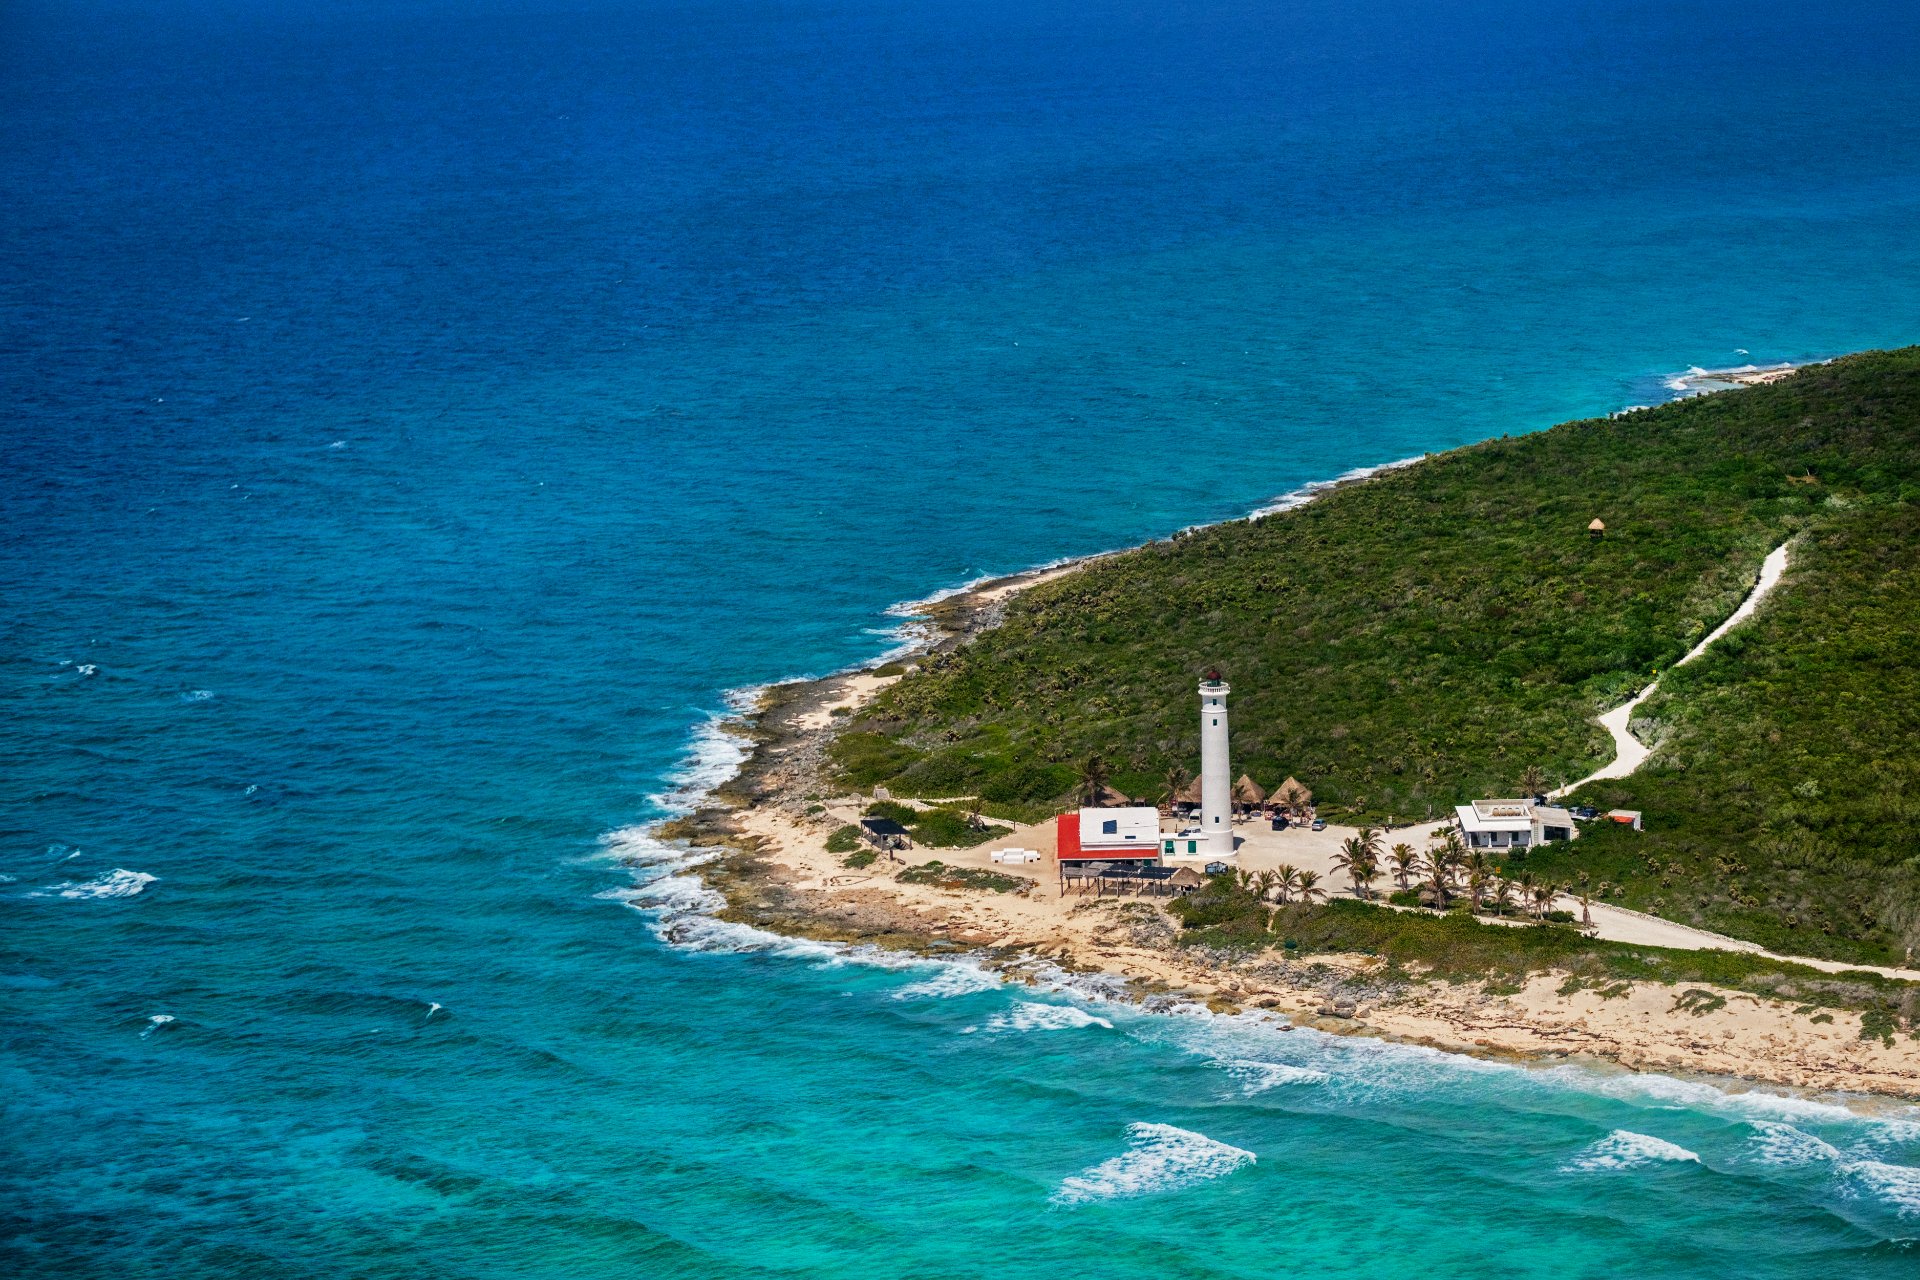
{"x": 433, "y": 1007}
{"x": 118, "y": 883}
{"x": 1784, "y": 1146}
{"x": 1654, "y": 1090}
{"x": 87, "y": 669}
{"x": 954, "y": 979}
{"x": 715, "y": 752}
{"x": 1895, "y": 1185}
{"x": 1160, "y": 1158}
{"x": 7, "y": 879}
{"x": 196, "y": 695}
{"x": 156, "y": 1022}
{"x": 1258, "y": 1077}
{"x": 1296, "y": 498}
{"x": 1624, "y": 1149}
{"x": 1027, "y": 1016}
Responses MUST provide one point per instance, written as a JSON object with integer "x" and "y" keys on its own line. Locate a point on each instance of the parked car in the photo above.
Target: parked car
{"x": 1217, "y": 868}
{"x": 1586, "y": 813}
{"x": 1279, "y": 822}
{"x": 1319, "y": 824}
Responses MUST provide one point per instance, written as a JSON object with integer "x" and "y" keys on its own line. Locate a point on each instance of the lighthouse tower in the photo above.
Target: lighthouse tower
{"x": 1216, "y": 785}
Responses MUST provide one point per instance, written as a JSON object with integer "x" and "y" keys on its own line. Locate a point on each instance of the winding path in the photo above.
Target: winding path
{"x": 1629, "y": 752}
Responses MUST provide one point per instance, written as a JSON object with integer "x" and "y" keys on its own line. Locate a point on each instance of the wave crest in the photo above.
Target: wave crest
{"x": 1625, "y": 1149}
{"x": 1161, "y": 1158}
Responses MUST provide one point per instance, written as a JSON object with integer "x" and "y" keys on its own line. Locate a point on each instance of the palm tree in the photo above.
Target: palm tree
{"x": 1476, "y": 885}
{"x": 1286, "y": 879}
{"x": 1093, "y": 779}
{"x": 1586, "y": 900}
{"x": 1526, "y": 882}
{"x": 1439, "y": 875}
{"x": 1532, "y": 781}
{"x": 1543, "y": 895}
{"x": 1263, "y": 884}
{"x": 1404, "y": 860}
{"x": 1356, "y": 860}
{"x": 1307, "y": 884}
{"x": 1368, "y": 874}
{"x": 1370, "y": 837}
{"x": 1175, "y": 782}
{"x": 1502, "y": 896}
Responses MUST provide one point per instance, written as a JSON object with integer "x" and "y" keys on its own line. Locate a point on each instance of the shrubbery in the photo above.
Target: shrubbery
{"x": 1416, "y": 641}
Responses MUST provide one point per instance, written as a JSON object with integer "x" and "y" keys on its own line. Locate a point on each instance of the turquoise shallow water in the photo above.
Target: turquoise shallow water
{"x": 421, "y": 416}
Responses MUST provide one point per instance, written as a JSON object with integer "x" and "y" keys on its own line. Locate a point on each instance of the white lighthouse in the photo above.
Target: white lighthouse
{"x": 1216, "y": 786}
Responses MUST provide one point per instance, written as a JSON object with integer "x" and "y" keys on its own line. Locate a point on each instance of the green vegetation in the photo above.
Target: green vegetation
{"x": 942, "y": 827}
{"x": 1455, "y": 947}
{"x": 864, "y": 858}
{"x": 844, "y": 839}
{"x": 1427, "y": 637}
{"x": 1783, "y": 803}
{"x": 942, "y": 876}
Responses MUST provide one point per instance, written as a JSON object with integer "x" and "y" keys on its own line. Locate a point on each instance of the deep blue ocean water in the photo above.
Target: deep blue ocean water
{"x": 418, "y": 417}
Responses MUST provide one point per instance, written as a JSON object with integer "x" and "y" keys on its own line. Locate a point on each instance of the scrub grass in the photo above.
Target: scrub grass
{"x": 1421, "y": 639}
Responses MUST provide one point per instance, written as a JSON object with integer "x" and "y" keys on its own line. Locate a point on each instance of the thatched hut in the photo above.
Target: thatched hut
{"x": 1185, "y": 880}
{"x": 1249, "y": 793}
{"x": 1108, "y": 797}
{"x": 1292, "y": 794}
{"x": 1598, "y": 528}
{"x": 1189, "y": 794}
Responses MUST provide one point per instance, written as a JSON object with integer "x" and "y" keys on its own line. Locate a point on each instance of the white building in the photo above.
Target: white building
{"x": 1131, "y": 834}
{"x": 1216, "y": 773}
{"x": 1512, "y": 824}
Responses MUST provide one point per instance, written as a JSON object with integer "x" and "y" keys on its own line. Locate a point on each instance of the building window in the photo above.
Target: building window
{"x": 1110, "y": 827}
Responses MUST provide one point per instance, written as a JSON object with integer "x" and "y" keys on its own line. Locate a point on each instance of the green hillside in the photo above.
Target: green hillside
{"x": 1420, "y": 639}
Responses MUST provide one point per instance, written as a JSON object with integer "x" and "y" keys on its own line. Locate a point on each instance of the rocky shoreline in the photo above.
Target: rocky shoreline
{"x": 771, "y": 820}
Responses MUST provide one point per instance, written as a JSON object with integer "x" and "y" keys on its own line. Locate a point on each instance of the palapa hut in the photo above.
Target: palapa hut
{"x": 1290, "y": 794}
{"x": 1249, "y": 794}
{"x": 1597, "y": 528}
{"x": 1108, "y": 797}
{"x": 1189, "y": 795}
{"x": 1185, "y": 880}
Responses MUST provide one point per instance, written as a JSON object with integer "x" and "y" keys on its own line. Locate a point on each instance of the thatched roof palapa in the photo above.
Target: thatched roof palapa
{"x": 1292, "y": 793}
{"x": 1247, "y": 791}
{"x": 1186, "y": 878}
{"x": 1108, "y": 797}
{"x": 1189, "y": 794}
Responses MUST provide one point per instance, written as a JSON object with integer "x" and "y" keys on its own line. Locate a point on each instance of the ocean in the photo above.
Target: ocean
{"x": 422, "y": 419}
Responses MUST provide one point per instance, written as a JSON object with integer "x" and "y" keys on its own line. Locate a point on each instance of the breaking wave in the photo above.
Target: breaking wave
{"x": 1027, "y": 1016}
{"x": 1624, "y": 1149}
{"x": 1160, "y": 1158}
{"x": 118, "y": 883}
{"x": 715, "y": 752}
{"x": 1258, "y": 1077}
{"x": 953, "y": 979}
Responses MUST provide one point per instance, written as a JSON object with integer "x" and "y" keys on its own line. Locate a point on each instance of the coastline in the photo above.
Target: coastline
{"x": 756, "y": 849}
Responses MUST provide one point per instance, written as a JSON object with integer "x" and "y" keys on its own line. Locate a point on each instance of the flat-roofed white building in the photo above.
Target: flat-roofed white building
{"x": 1121, "y": 832}
{"x": 1512, "y": 824}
